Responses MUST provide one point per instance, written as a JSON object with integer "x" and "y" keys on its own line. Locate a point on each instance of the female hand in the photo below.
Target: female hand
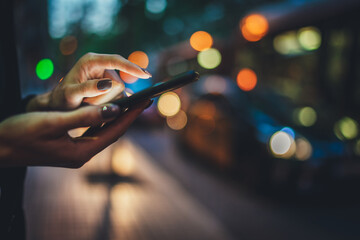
{"x": 42, "y": 139}
{"x": 88, "y": 81}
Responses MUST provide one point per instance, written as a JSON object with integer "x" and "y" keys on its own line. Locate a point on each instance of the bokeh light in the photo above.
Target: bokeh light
{"x": 357, "y": 147}
{"x": 209, "y": 59}
{"x": 346, "y": 128}
{"x": 204, "y": 114}
{"x": 178, "y": 121}
{"x": 215, "y": 84}
{"x": 303, "y": 149}
{"x": 287, "y": 43}
{"x": 44, "y": 69}
{"x": 123, "y": 162}
{"x": 282, "y": 144}
{"x": 254, "y": 27}
{"x": 246, "y": 79}
{"x": 156, "y": 6}
{"x": 141, "y": 59}
{"x": 68, "y": 45}
{"x": 169, "y": 104}
{"x": 309, "y": 38}
{"x": 203, "y": 107}
{"x": 289, "y": 131}
{"x": 201, "y": 41}
{"x": 306, "y": 116}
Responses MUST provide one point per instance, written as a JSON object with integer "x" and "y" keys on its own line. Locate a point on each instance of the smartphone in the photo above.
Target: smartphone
{"x": 158, "y": 89}
{"x": 151, "y": 92}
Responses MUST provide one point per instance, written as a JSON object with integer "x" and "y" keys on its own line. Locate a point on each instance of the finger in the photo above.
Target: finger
{"x": 113, "y": 75}
{"x": 116, "y": 90}
{"x": 88, "y": 116}
{"x": 114, "y": 130}
{"x": 90, "y": 88}
{"x": 98, "y": 62}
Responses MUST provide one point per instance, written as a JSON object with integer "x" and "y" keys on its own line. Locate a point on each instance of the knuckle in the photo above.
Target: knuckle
{"x": 68, "y": 95}
{"x": 83, "y": 88}
{"x": 87, "y": 57}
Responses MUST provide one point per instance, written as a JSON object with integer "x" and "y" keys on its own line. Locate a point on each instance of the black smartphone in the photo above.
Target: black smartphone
{"x": 151, "y": 92}
{"x": 158, "y": 89}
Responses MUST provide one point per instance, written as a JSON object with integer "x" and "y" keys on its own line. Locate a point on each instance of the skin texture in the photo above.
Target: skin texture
{"x": 42, "y": 139}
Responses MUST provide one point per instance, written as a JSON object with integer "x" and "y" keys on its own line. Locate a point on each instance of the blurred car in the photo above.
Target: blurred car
{"x": 280, "y": 111}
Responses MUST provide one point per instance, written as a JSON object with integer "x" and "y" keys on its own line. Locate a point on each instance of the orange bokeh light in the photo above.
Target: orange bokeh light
{"x": 201, "y": 40}
{"x": 246, "y": 79}
{"x": 254, "y": 27}
{"x": 68, "y": 45}
{"x": 139, "y": 58}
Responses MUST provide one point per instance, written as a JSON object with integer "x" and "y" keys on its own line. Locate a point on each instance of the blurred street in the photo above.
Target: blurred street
{"x": 162, "y": 195}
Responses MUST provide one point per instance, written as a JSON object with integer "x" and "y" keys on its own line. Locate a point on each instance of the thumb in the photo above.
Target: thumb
{"x": 90, "y": 88}
{"x": 89, "y": 116}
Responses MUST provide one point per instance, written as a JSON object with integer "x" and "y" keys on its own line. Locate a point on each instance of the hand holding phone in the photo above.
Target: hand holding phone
{"x": 151, "y": 92}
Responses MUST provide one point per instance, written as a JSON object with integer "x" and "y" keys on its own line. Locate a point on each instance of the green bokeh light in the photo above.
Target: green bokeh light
{"x": 44, "y": 69}
{"x": 209, "y": 59}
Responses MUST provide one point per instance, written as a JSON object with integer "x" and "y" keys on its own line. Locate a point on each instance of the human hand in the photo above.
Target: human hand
{"x": 42, "y": 139}
{"x": 92, "y": 80}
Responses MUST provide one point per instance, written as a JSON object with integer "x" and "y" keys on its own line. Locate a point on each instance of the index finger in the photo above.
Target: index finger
{"x": 96, "y": 63}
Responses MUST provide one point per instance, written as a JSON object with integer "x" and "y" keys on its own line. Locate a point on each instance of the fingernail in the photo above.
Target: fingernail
{"x": 151, "y": 102}
{"x": 146, "y": 72}
{"x": 109, "y": 111}
{"x": 104, "y": 85}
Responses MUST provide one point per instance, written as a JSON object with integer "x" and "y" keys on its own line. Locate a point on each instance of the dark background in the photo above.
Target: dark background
{"x": 218, "y": 177}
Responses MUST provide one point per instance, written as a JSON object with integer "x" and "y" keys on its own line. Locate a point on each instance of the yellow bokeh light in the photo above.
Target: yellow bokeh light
{"x": 287, "y": 43}
{"x": 282, "y": 145}
{"x": 209, "y": 59}
{"x": 309, "y": 38}
{"x": 254, "y": 27}
{"x": 178, "y": 121}
{"x": 169, "y": 104}
{"x": 306, "y": 116}
{"x": 346, "y": 128}
{"x": 303, "y": 149}
{"x": 141, "y": 59}
{"x": 201, "y": 41}
{"x": 123, "y": 162}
